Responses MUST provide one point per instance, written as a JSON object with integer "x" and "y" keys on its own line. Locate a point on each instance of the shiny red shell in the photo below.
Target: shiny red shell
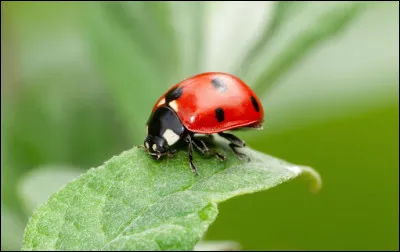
{"x": 203, "y": 94}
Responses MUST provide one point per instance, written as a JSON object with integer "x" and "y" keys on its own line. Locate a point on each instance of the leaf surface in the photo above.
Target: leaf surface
{"x": 133, "y": 202}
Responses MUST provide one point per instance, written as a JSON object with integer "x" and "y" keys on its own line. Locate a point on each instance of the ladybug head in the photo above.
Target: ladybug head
{"x": 156, "y": 146}
{"x": 164, "y": 131}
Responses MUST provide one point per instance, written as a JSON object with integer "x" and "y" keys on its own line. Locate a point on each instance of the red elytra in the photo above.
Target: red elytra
{"x": 203, "y": 94}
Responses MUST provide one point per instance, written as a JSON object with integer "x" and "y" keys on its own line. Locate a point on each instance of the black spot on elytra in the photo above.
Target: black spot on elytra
{"x": 255, "y": 103}
{"x": 219, "y": 113}
{"x": 173, "y": 94}
{"x": 219, "y": 85}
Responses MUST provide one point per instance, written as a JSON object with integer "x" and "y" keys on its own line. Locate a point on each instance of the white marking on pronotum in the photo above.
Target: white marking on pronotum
{"x": 174, "y": 106}
{"x": 154, "y": 147}
{"x": 170, "y": 137}
{"x": 161, "y": 102}
{"x": 147, "y": 145}
{"x": 295, "y": 169}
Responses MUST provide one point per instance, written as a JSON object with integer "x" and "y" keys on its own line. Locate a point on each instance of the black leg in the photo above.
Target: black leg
{"x": 233, "y": 139}
{"x": 234, "y": 143}
{"x": 202, "y": 147}
{"x": 238, "y": 154}
{"x": 190, "y": 150}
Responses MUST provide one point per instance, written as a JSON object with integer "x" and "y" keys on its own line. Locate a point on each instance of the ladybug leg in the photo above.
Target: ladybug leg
{"x": 238, "y": 154}
{"x": 141, "y": 147}
{"x": 235, "y": 142}
{"x": 233, "y": 139}
{"x": 190, "y": 150}
{"x": 202, "y": 147}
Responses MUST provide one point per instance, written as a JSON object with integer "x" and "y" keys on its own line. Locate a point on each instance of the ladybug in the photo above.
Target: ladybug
{"x": 207, "y": 103}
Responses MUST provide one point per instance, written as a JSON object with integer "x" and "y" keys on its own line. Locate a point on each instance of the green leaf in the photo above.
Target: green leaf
{"x": 133, "y": 202}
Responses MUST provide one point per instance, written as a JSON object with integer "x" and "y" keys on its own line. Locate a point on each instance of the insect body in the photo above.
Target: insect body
{"x": 206, "y": 103}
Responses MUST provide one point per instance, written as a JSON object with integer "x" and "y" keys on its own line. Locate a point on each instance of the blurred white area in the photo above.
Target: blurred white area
{"x": 349, "y": 75}
{"x": 217, "y": 246}
{"x": 31, "y": 188}
{"x": 10, "y": 226}
{"x": 230, "y": 30}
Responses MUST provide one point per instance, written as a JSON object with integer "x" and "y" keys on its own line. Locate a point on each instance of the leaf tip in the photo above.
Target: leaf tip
{"x": 312, "y": 174}
{"x": 316, "y": 183}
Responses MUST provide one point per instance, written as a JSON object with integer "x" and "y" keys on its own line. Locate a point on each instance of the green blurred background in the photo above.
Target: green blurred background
{"x": 78, "y": 81}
